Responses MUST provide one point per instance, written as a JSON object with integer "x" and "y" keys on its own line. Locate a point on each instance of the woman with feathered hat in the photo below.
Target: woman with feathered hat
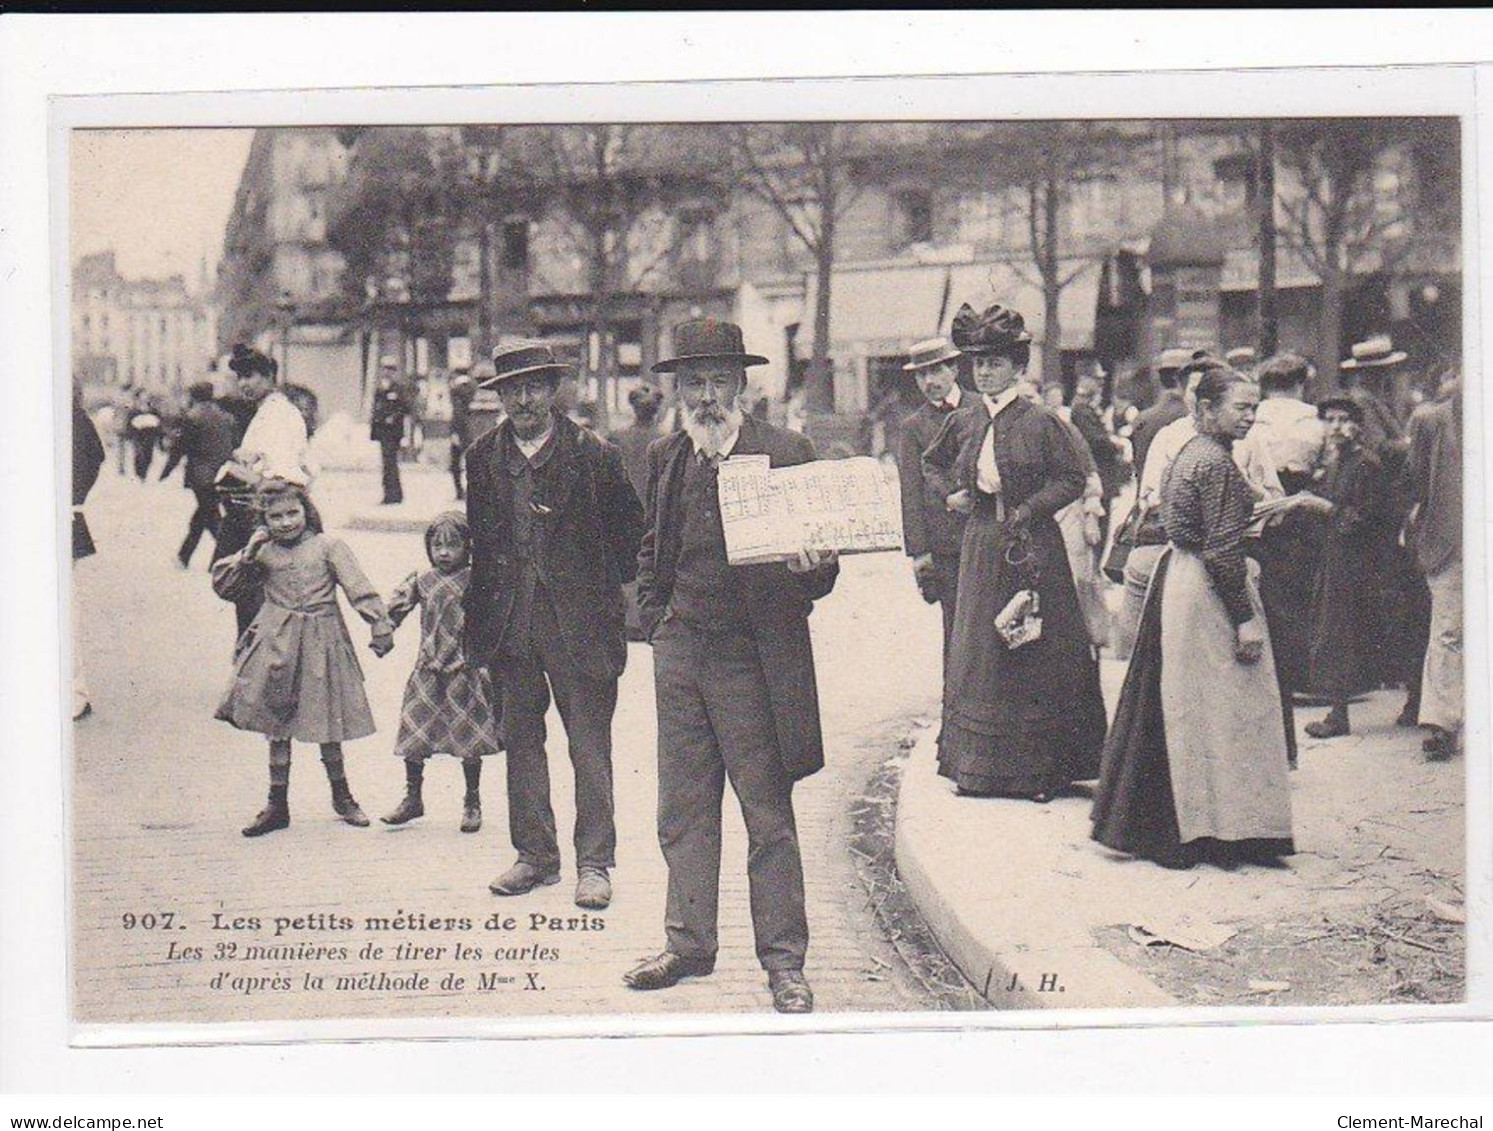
{"x": 1023, "y": 714}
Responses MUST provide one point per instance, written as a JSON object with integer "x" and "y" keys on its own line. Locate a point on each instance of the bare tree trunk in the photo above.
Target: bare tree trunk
{"x": 1330, "y": 328}
{"x": 1052, "y": 287}
{"x": 1265, "y": 198}
{"x": 484, "y": 285}
{"x": 819, "y": 390}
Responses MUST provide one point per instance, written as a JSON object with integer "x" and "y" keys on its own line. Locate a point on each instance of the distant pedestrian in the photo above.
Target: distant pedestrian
{"x": 1196, "y": 761}
{"x": 448, "y": 703}
{"x": 88, "y": 457}
{"x": 634, "y": 441}
{"x": 386, "y": 426}
{"x": 145, "y": 426}
{"x": 1170, "y": 404}
{"x": 1086, "y": 416}
{"x": 206, "y": 441}
{"x": 1436, "y": 536}
{"x": 1347, "y": 618}
{"x": 463, "y": 389}
{"x": 1371, "y": 375}
{"x": 932, "y": 534}
{"x": 645, "y": 401}
{"x": 295, "y": 675}
{"x": 1290, "y": 544}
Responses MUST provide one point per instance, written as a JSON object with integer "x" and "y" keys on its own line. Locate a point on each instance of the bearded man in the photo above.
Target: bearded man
{"x": 733, "y": 675}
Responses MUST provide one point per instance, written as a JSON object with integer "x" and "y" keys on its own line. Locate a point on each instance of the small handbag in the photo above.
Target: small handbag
{"x": 1020, "y": 621}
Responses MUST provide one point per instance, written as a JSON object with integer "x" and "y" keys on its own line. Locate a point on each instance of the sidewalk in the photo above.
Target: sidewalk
{"x": 1037, "y": 915}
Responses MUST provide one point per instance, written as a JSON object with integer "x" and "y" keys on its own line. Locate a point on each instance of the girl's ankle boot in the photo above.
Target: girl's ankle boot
{"x": 275, "y": 815}
{"x": 344, "y": 805}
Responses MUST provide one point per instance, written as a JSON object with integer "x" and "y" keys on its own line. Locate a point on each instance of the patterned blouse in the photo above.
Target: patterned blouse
{"x": 1206, "y": 506}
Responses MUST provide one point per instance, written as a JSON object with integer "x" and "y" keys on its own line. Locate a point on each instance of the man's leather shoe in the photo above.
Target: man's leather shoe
{"x": 790, "y": 991}
{"x": 593, "y": 890}
{"x": 667, "y": 969}
{"x": 521, "y": 879}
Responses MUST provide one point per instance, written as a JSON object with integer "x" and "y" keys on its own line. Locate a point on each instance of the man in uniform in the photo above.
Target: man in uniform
{"x": 733, "y": 675}
{"x": 932, "y": 534}
{"x": 386, "y": 426}
{"x": 555, "y": 527}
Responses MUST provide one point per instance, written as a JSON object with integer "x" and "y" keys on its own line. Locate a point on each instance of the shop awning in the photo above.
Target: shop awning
{"x": 881, "y": 310}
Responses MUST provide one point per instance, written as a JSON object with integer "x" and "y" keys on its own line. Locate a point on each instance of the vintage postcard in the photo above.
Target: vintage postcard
{"x": 1121, "y": 676}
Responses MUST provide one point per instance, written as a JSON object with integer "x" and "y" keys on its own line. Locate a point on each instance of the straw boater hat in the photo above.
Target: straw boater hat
{"x": 707, "y": 339}
{"x": 520, "y": 359}
{"x": 1374, "y": 353}
{"x": 1241, "y": 356}
{"x": 933, "y": 351}
{"x": 992, "y": 331}
{"x": 1173, "y": 358}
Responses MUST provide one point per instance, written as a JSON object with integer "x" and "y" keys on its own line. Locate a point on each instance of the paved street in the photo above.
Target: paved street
{"x": 160, "y": 791}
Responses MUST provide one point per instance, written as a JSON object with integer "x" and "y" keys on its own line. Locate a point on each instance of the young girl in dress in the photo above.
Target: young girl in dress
{"x": 447, "y": 704}
{"x": 295, "y": 675}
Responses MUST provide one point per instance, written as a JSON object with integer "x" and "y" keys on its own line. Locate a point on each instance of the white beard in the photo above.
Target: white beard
{"x": 710, "y": 436}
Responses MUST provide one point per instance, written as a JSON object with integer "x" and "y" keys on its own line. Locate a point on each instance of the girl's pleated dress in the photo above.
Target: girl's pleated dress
{"x": 295, "y": 673}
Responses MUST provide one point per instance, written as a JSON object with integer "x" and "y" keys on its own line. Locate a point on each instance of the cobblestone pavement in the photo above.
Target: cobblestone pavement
{"x": 160, "y": 790}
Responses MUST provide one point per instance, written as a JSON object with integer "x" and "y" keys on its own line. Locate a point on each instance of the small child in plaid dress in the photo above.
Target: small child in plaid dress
{"x": 447, "y": 705}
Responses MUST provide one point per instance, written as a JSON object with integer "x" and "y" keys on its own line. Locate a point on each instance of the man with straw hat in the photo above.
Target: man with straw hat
{"x": 555, "y": 527}
{"x": 932, "y": 534}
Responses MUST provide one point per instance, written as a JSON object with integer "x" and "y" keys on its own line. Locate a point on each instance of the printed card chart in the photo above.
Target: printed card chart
{"x": 769, "y": 514}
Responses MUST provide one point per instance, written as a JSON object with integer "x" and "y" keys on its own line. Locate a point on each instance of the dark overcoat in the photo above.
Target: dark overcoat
{"x": 1350, "y": 644}
{"x": 777, "y": 600}
{"x": 928, "y": 526}
{"x": 208, "y": 437}
{"x": 585, "y": 544}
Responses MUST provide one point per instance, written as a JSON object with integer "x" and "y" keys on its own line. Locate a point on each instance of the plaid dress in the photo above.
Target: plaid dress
{"x": 447, "y": 704}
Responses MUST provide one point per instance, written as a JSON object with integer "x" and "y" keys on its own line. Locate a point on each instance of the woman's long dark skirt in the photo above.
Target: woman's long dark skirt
{"x": 1134, "y": 808}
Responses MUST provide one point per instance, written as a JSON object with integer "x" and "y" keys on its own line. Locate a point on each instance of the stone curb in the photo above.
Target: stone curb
{"x": 990, "y": 946}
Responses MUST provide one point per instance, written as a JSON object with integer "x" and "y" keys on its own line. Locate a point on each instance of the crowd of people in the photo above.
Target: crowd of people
{"x": 1275, "y": 549}
{"x": 1277, "y": 553}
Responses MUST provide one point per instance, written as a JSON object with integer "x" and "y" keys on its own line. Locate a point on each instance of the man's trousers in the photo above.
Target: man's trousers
{"x": 715, "y": 723}
{"x": 1442, "y": 695}
{"x": 586, "y": 706}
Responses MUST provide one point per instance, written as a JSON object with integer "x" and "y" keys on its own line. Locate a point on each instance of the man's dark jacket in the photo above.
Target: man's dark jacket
{"x": 584, "y": 550}
{"x": 928, "y": 526}
{"x": 777, "y": 601}
{"x": 208, "y": 436}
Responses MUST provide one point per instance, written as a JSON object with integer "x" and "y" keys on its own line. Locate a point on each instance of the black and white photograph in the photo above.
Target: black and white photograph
{"x": 974, "y": 580}
{"x": 848, "y": 566}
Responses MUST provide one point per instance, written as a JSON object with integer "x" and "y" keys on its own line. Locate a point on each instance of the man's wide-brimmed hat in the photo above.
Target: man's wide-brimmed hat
{"x": 926, "y": 354}
{"x": 1372, "y": 353}
{"x": 707, "y": 339}
{"x": 1346, "y": 404}
{"x": 520, "y": 359}
{"x": 995, "y": 329}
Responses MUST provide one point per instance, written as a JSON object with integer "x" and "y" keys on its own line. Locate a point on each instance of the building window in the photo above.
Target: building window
{"x": 915, "y": 209}
{"x": 516, "y": 244}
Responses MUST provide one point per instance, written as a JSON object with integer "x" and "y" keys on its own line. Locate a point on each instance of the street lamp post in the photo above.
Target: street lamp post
{"x": 286, "y": 306}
